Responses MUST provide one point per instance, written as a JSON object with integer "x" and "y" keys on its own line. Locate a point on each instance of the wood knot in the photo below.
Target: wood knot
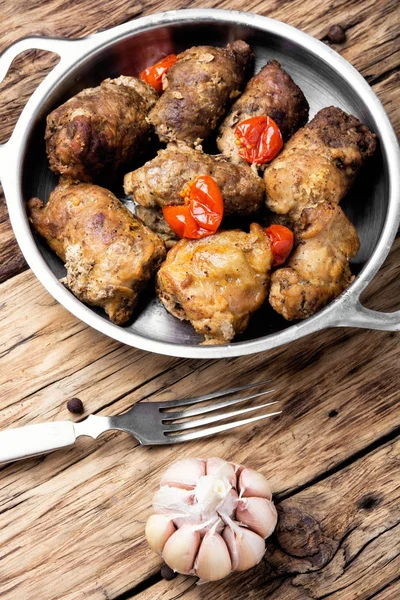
{"x": 369, "y": 501}
{"x": 298, "y": 544}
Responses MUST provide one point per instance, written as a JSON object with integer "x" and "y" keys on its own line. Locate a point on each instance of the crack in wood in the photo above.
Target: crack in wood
{"x": 383, "y": 588}
{"x": 367, "y": 543}
{"x": 143, "y": 384}
{"x": 373, "y": 80}
{"x": 141, "y": 587}
{"x": 19, "y": 343}
{"x": 381, "y": 441}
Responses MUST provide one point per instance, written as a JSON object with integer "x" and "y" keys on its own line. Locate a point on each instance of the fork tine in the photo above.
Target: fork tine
{"x": 193, "y": 412}
{"x": 215, "y": 418}
{"x": 192, "y": 435}
{"x": 173, "y": 403}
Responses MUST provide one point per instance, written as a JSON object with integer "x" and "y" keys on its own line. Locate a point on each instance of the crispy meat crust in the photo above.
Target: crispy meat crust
{"x": 318, "y": 270}
{"x": 217, "y": 282}
{"x": 200, "y": 85}
{"x": 160, "y": 181}
{"x": 90, "y": 136}
{"x": 319, "y": 163}
{"x": 109, "y": 254}
{"x": 272, "y": 92}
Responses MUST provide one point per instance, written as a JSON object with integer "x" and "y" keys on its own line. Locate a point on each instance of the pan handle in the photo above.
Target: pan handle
{"x": 68, "y": 50}
{"x": 356, "y": 315}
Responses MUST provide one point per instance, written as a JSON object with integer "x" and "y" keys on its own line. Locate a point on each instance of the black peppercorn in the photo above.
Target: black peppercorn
{"x": 336, "y": 34}
{"x": 167, "y": 573}
{"x": 75, "y": 405}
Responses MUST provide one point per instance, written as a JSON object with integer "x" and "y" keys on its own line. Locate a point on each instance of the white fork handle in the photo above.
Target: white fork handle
{"x": 32, "y": 440}
{"x": 35, "y": 439}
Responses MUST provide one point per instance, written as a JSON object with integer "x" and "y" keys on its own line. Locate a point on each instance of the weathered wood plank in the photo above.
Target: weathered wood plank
{"x": 392, "y": 590}
{"x": 28, "y": 70}
{"x": 11, "y": 259}
{"x": 338, "y": 539}
{"x": 388, "y": 92}
{"x": 82, "y": 502}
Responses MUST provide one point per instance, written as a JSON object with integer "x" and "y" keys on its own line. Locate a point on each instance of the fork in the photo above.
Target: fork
{"x": 150, "y": 423}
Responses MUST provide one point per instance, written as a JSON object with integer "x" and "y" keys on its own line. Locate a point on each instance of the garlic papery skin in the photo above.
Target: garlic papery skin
{"x": 218, "y": 466}
{"x": 181, "y": 549}
{"x": 168, "y": 500}
{"x": 252, "y": 483}
{"x": 228, "y": 536}
{"x": 184, "y": 473}
{"x": 158, "y": 529}
{"x": 213, "y": 560}
{"x": 228, "y": 506}
{"x": 211, "y": 491}
{"x": 257, "y": 513}
{"x": 246, "y": 548}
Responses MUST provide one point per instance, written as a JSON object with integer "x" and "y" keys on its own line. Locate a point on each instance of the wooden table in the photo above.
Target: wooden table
{"x": 72, "y": 522}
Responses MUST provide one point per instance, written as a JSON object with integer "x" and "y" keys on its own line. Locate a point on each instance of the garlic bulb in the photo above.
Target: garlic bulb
{"x": 211, "y": 518}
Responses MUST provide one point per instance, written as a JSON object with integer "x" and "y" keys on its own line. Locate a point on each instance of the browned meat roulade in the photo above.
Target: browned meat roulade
{"x": 318, "y": 269}
{"x": 318, "y": 164}
{"x": 217, "y": 282}
{"x": 154, "y": 218}
{"x": 91, "y": 135}
{"x": 108, "y": 253}
{"x": 198, "y": 89}
{"x": 160, "y": 181}
{"x": 273, "y": 93}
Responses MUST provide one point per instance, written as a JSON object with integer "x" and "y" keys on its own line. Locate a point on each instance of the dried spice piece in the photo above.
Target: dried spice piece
{"x": 336, "y": 34}
{"x": 75, "y": 405}
{"x": 167, "y": 573}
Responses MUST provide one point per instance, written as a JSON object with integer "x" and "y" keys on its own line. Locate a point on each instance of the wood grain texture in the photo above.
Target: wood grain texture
{"x": 71, "y": 523}
{"x": 337, "y": 539}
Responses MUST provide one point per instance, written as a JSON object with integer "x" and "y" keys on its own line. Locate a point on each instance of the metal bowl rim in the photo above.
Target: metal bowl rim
{"x": 14, "y": 151}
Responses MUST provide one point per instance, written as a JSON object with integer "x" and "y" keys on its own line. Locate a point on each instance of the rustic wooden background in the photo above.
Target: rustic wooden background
{"x": 71, "y": 523}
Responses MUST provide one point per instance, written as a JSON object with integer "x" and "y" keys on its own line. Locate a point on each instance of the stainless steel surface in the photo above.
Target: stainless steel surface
{"x": 325, "y": 77}
{"x": 149, "y": 422}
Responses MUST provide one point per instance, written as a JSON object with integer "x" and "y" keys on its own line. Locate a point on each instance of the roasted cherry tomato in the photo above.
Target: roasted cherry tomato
{"x": 259, "y": 140}
{"x": 153, "y": 75}
{"x": 281, "y": 239}
{"x": 202, "y": 211}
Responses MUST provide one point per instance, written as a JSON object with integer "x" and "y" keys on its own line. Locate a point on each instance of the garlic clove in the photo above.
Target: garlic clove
{"x": 184, "y": 473}
{"x": 213, "y": 561}
{"x": 222, "y": 468}
{"x": 252, "y": 483}
{"x": 181, "y": 548}
{"x": 158, "y": 529}
{"x": 259, "y": 514}
{"x": 245, "y": 547}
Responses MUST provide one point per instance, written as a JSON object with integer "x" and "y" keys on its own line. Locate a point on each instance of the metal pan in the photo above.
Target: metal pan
{"x": 325, "y": 77}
